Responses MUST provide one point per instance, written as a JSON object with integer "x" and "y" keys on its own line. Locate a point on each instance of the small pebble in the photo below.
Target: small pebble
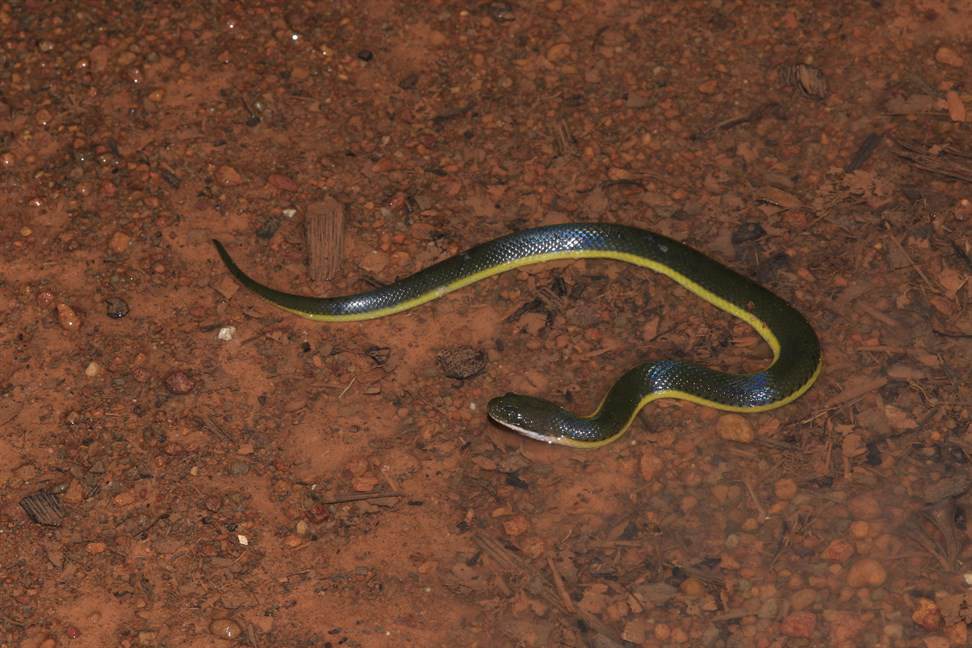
{"x": 462, "y": 362}
{"x": 516, "y": 525}
{"x": 803, "y": 599}
{"x": 558, "y": 52}
{"x": 927, "y": 614}
{"x": 366, "y": 55}
{"x": 838, "y": 550}
{"x": 225, "y": 629}
{"x": 177, "y": 382}
{"x": 373, "y": 262}
{"x": 735, "y": 427}
{"x": 238, "y": 468}
{"x": 364, "y": 483}
{"x": 860, "y": 529}
{"x": 67, "y": 318}
{"x": 228, "y": 176}
{"x": 119, "y": 242}
{"x": 117, "y": 307}
{"x": 864, "y": 507}
{"x": 92, "y": 369}
{"x": 799, "y": 624}
{"x": 282, "y": 182}
{"x": 769, "y": 609}
{"x": 948, "y": 56}
{"x": 866, "y": 572}
{"x": 650, "y": 464}
{"x": 785, "y": 489}
{"x": 692, "y": 587}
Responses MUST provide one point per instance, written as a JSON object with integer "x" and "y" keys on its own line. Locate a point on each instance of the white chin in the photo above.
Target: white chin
{"x": 531, "y": 434}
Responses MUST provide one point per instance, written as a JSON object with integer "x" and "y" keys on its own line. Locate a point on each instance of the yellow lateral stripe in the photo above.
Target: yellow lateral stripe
{"x": 692, "y": 398}
{"x": 684, "y": 281}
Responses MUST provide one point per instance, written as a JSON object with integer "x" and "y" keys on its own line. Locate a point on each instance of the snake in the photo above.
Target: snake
{"x": 796, "y": 349}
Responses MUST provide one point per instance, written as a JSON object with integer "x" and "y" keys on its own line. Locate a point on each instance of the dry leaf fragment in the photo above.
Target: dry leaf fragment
{"x": 778, "y": 197}
{"x": 948, "y": 56}
{"x": 809, "y": 79}
{"x": 952, "y": 280}
{"x": 956, "y": 108}
{"x": 911, "y": 105}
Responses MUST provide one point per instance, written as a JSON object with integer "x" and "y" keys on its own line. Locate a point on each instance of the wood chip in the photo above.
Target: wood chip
{"x": 43, "y": 508}
{"x": 325, "y": 239}
{"x": 855, "y": 388}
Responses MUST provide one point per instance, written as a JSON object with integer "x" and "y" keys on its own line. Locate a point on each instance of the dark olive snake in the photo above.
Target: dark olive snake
{"x": 796, "y": 350}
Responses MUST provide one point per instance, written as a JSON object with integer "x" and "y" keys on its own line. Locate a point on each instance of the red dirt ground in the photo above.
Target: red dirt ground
{"x": 310, "y": 485}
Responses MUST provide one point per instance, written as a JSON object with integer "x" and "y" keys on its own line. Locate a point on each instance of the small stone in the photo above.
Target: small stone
{"x": 282, "y": 182}
{"x": 67, "y": 318}
{"x": 74, "y": 493}
{"x": 119, "y": 242}
{"x": 292, "y": 541}
{"x": 936, "y": 642}
{"x": 125, "y": 498}
{"x": 178, "y": 382}
{"x": 948, "y": 56}
{"x": 116, "y": 307}
{"x": 957, "y": 633}
{"x": 92, "y": 370}
{"x": 364, "y": 483}
{"x": 373, "y": 262}
{"x": 838, "y": 551}
{"x": 558, "y": 51}
{"x": 516, "y": 525}
{"x": 462, "y": 363}
{"x": 650, "y": 465}
{"x": 860, "y": 529}
{"x": 799, "y": 624}
{"x": 769, "y": 609}
{"x": 866, "y": 572}
{"x": 803, "y": 599}
{"x": 864, "y": 507}
{"x": 95, "y": 548}
{"x": 735, "y": 427}
{"x": 238, "y": 468}
{"x": 228, "y": 176}
{"x": 785, "y": 489}
{"x": 225, "y": 628}
{"x": 927, "y": 614}
{"x": 662, "y": 631}
{"x": 709, "y": 87}
{"x": 635, "y": 631}
{"x": 692, "y": 587}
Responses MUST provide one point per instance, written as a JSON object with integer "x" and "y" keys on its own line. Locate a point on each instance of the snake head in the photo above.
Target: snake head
{"x": 533, "y": 417}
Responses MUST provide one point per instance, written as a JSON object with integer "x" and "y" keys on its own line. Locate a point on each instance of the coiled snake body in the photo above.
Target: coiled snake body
{"x": 796, "y": 350}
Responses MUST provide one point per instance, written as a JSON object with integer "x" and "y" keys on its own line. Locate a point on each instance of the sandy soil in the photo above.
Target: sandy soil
{"x": 301, "y": 484}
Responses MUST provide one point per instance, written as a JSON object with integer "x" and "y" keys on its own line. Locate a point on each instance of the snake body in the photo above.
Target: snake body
{"x": 796, "y": 349}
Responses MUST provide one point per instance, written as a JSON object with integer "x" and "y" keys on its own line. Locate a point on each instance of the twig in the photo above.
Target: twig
{"x": 341, "y": 499}
{"x": 914, "y": 265}
{"x": 752, "y": 494}
{"x": 345, "y": 390}
{"x": 856, "y": 391}
{"x": 559, "y": 584}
